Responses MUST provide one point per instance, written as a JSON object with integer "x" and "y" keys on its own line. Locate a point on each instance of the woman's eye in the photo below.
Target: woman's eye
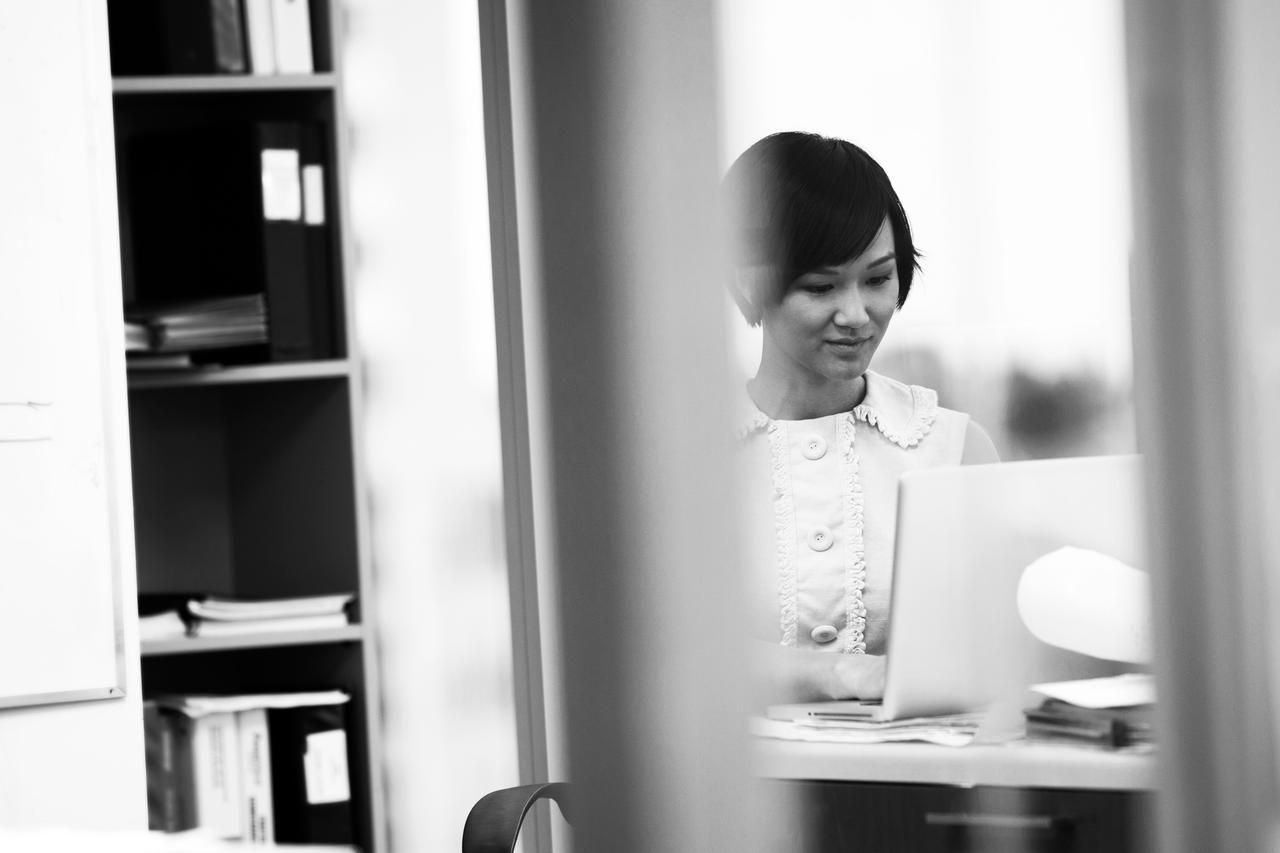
{"x": 880, "y": 280}
{"x": 816, "y": 288}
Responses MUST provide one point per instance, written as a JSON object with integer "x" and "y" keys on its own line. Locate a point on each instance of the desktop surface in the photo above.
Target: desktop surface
{"x": 1015, "y": 764}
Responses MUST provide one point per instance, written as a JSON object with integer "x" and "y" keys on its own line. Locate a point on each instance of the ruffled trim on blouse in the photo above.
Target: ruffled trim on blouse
{"x": 855, "y": 577}
{"x": 904, "y": 414}
{"x": 785, "y": 531}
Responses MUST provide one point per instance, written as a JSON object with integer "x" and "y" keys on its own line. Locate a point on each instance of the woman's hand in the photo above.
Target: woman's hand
{"x": 856, "y": 677}
{"x": 807, "y": 675}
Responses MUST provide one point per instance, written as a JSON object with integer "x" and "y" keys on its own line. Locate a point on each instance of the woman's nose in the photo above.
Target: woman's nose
{"x": 851, "y": 313}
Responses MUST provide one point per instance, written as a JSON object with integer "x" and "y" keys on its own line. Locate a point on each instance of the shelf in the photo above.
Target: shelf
{"x": 196, "y": 645}
{"x": 168, "y": 84}
{"x": 201, "y": 376}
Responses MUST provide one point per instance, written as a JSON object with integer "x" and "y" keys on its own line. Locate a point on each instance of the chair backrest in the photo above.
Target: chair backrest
{"x": 493, "y": 825}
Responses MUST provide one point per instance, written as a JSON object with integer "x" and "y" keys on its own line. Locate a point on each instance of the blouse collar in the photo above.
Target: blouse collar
{"x": 902, "y": 413}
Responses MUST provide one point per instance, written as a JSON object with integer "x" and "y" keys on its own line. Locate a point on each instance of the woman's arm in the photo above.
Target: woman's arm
{"x": 978, "y": 447}
{"x": 806, "y": 675}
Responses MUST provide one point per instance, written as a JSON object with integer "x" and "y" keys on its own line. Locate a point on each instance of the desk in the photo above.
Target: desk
{"x": 1019, "y": 797}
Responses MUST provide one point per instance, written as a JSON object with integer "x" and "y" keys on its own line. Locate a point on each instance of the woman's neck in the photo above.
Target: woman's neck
{"x": 784, "y": 398}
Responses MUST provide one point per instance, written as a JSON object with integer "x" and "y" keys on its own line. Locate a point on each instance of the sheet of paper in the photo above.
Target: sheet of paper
{"x": 1120, "y": 691}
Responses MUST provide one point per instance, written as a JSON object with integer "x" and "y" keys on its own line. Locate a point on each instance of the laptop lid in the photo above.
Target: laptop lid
{"x": 964, "y": 537}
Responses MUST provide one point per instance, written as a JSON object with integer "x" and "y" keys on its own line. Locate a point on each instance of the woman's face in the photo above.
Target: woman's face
{"x": 829, "y": 322}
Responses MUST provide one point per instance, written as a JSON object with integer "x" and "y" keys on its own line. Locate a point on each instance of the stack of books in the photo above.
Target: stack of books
{"x": 262, "y": 768}
{"x": 201, "y": 324}
{"x": 225, "y": 617}
{"x": 1110, "y": 713}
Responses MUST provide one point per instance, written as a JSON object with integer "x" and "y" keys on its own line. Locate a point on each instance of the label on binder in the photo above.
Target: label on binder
{"x": 313, "y": 195}
{"x": 325, "y": 766}
{"x": 281, "y": 185}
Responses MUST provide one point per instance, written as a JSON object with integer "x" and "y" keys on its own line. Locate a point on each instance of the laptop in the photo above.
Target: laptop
{"x": 965, "y": 535}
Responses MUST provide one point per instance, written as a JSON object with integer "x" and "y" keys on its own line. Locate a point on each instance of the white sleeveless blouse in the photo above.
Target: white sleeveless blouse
{"x": 822, "y": 499}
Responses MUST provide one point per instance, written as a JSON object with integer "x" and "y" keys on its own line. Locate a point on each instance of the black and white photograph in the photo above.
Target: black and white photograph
{"x": 640, "y": 426}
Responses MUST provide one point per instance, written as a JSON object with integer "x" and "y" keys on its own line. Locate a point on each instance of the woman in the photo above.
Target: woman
{"x": 823, "y": 258}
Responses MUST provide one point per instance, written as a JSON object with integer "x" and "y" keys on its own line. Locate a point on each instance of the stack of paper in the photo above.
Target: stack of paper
{"x": 197, "y": 324}
{"x": 1116, "y": 712}
{"x": 827, "y": 722}
{"x": 222, "y": 617}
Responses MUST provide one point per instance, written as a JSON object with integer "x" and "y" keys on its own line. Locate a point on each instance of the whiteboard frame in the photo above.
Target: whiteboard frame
{"x": 115, "y": 690}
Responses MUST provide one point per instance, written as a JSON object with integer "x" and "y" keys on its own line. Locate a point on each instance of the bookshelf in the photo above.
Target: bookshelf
{"x": 247, "y": 476}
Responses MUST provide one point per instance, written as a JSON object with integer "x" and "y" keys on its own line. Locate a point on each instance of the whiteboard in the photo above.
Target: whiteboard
{"x": 61, "y": 614}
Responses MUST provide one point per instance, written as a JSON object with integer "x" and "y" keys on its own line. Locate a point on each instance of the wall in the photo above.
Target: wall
{"x": 1002, "y": 125}
{"x": 77, "y": 765}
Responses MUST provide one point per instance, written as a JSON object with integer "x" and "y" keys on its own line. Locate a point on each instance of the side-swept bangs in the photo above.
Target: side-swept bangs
{"x": 799, "y": 201}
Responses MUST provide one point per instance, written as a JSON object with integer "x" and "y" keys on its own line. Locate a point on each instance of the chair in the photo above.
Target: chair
{"x": 493, "y": 825}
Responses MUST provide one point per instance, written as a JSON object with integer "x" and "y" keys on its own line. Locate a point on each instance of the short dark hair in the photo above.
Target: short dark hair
{"x": 799, "y": 201}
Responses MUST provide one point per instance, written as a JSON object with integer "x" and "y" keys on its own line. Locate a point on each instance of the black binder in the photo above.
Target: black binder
{"x": 322, "y": 256}
{"x": 205, "y": 221}
{"x": 299, "y": 819}
{"x": 177, "y": 37}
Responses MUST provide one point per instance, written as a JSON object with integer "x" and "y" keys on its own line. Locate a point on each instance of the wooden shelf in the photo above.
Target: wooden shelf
{"x": 196, "y": 645}
{"x": 286, "y": 372}
{"x": 222, "y": 83}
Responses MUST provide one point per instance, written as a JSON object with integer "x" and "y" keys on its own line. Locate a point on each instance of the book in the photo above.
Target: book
{"x": 235, "y": 610}
{"x": 260, "y": 36}
{"x": 291, "y": 23}
{"x": 209, "y": 628}
{"x": 170, "y": 791}
{"x": 215, "y": 761}
{"x": 257, "y": 819}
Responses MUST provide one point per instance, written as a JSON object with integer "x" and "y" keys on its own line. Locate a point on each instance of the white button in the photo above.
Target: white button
{"x": 819, "y": 538}
{"x": 814, "y": 447}
{"x": 823, "y": 634}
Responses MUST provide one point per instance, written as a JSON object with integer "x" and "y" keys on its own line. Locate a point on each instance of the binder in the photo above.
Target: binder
{"x": 310, "y": 781}
{"x": 136, "y": 34}
{"x": 169, "y": 784}
{"x": 203, "y": 36}
{"x": 284, "y": 240}
{"x": 291, "y": 21}
{"x": 321, "y": 254}
{"x": 176, "y": 37}
{"x": 260, "y": 36}
{"x": 216, "y": 211}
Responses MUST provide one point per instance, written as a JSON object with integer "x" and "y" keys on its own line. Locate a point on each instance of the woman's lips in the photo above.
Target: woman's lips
{"x": 848, "y": 343}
